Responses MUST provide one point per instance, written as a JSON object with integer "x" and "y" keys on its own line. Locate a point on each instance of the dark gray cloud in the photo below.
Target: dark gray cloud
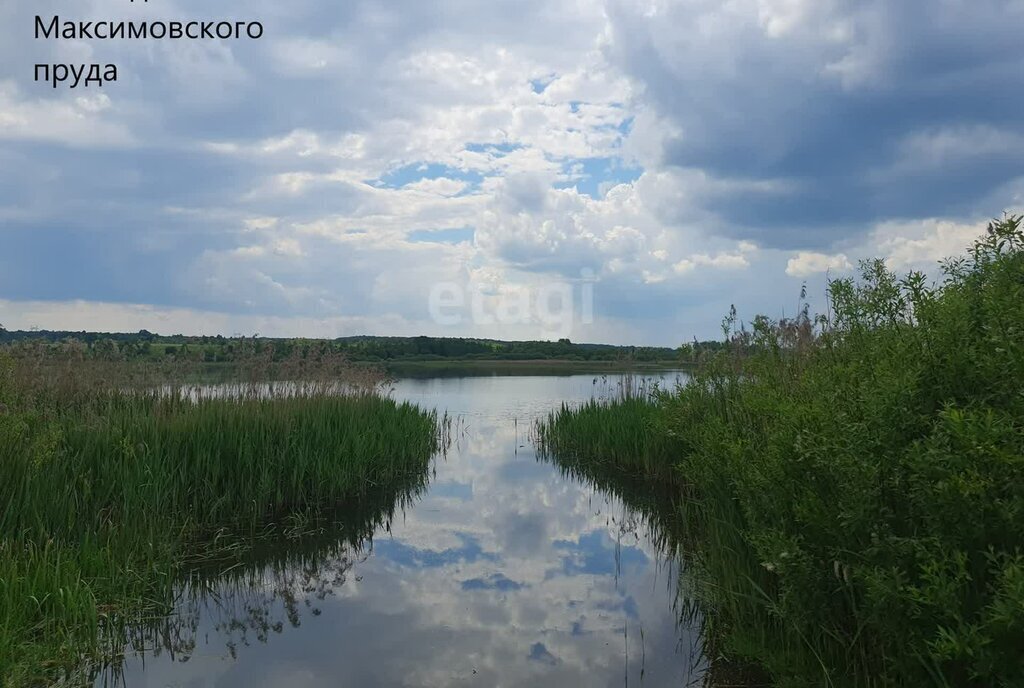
{"x": 231, "y": 176}
{"x": 825, "y": 101}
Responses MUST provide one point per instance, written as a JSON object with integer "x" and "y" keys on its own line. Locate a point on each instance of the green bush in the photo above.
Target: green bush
{"x": 859, "y": 479}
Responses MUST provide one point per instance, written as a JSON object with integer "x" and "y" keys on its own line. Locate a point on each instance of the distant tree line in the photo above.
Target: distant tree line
{"x": 219, "y": 349}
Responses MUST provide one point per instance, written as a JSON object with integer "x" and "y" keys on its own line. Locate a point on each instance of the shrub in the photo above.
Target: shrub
{"x": 859, "y": 478}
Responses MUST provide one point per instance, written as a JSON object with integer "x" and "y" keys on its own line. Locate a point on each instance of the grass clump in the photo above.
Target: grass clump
{"x": 855, "y": 510}
{"x": 106, "y": 497}
{"x": 250, "y": 591}
{"x": 621, "y": 441}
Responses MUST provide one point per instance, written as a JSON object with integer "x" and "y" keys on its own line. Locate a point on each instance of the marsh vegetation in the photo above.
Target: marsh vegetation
{"x": 842, "y": 497}
{"x": 113, "y": 486}
{"x": 849, "y": 487}
{"x": 499, "y": 570}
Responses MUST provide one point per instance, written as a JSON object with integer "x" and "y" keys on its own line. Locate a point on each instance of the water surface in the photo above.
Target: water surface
{"x": 499, "y": 572}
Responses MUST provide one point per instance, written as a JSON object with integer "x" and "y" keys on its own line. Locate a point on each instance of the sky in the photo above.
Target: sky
{"x": 611, "y": 171}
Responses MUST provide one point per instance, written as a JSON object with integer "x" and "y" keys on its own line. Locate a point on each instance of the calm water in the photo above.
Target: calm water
{"x": 501, "y": 572}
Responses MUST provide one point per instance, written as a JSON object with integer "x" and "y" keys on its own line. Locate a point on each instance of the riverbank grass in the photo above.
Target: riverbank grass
{"x": 854, "y": 483}
{"x": 105, "y": 497}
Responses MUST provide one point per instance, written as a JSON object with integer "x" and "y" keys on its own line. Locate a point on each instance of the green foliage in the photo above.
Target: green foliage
{"x": 859, "y": 479}
{"x": 590, "y": 434}
{"x": 616, "y": 433}
{"x": 104, "y": 495}
{"x": 140, "y": 346}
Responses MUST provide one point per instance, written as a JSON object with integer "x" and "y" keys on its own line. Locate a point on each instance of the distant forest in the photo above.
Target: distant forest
{"x": 219, "y": 349}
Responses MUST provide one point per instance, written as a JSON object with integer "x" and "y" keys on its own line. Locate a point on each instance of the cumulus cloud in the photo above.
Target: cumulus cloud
{"x": 844, "y": 104}
{"x": 652, "y": 144}
{"x": 807, "y": 263}
{"x": 77, "y": 122}
{"x": 923, "y": 243}
{"x": 737, "y": 260}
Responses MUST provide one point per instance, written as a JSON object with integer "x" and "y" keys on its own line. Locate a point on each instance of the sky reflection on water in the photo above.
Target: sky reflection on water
{"x": 503, "y": 573}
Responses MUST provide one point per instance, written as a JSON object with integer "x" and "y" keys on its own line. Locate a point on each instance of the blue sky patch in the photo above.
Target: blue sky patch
{"x": 540, "y": 653}
{"x": 454, "y": 235}
{"x": 594, "y": 176}
{"x": 595, "y": 553}
{"x": 406, "y": 555}
{"x": 497, "y": 150}
{"x": 626, "y": 604}
{"x": 540, "y": 84}
{"x": 409, "y": 174}
{"x": 452, "y": 489}
{"x": 496, "y": 582}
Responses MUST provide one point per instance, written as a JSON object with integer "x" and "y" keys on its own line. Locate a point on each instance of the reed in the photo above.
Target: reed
{"x": 107, "y": 492}
{"x": 254, "y": 588}
{"x": 618, "y": 435}
{"x": 852, "y": 485}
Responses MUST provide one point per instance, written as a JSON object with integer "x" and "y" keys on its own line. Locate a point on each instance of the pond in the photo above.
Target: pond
{"x": 500, "y": 571}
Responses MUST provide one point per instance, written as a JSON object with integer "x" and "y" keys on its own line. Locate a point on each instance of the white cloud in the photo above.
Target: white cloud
{"x": 923, "y": 243}
{"x": 723, "y": 260}
{"x": 714, "y": 146}
{"x": 806, "y": 263}
{"x": 79, "y": 316}
{"x": 78, "y": 122}
{"x": 442, "y": 186}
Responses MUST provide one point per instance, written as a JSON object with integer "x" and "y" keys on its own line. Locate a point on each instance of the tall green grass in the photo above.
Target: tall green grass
{"x": 252, "y": 590}
{"x": 589, "y": 436}
{"x": 106, "y": 495}
{"x": 854, "y": 483}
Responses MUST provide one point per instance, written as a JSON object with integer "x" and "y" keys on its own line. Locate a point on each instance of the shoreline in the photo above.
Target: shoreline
{"x": 488, "y": 367}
